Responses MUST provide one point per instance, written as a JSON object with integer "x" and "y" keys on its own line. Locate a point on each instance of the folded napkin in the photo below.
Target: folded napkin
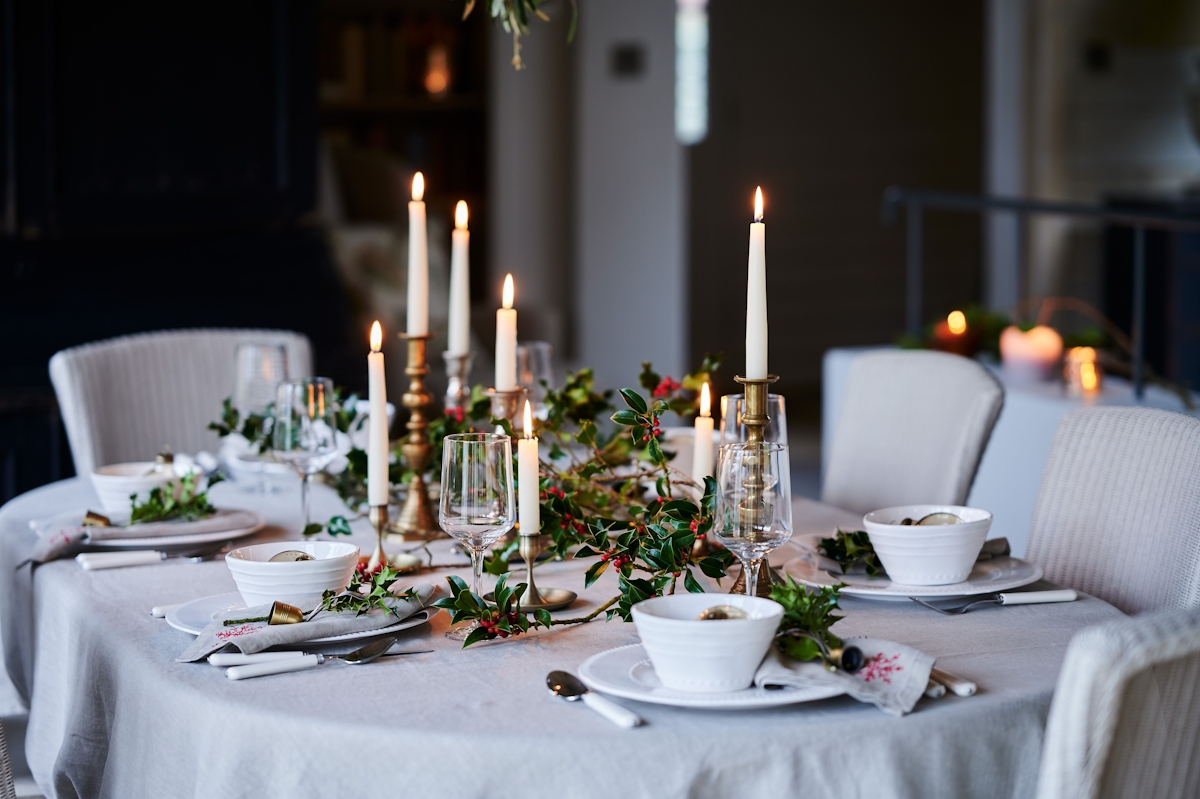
{"x": 254, "y": 637}
{"x": 992, "y": 548}
{"x": 64, "y": 536}
{"x": 893, "y": 677}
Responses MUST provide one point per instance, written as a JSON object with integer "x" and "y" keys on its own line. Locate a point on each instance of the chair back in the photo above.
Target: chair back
{"x": 1125, "y": 721}
{"x": 7, "y": 789}
{"x": 126, "y": 398}
{"x": 912, "y": 428}
{"x": 1118, "y": 511}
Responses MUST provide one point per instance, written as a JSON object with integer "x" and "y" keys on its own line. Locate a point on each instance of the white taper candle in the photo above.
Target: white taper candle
{"x": 756, "y": 295}
{"x": 459, "y": 340}
{"x": 529, "y": 501}
{"x": 418, "y": 261}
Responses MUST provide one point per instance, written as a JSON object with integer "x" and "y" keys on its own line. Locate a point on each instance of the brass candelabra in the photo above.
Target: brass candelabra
{"x": 417, "y": 522}
{"x": 753, "y": 507}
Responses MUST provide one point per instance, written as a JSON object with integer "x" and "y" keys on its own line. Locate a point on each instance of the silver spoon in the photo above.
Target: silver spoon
{"x": 567, "y": 686}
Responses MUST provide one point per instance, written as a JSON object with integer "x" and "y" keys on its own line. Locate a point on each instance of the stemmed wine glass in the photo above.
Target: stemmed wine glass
{"x": 260, "y": 369}
{"x": 754, "y": 503}
{"x": 477, "y": 504}
{"x": 304, "y": 433}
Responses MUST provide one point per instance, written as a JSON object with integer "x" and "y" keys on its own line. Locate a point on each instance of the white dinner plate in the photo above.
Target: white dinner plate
{"x": 989, "y": 576}
{"x": 74, "y": 518}
{"x": 627, "y": 672}
{"x": 192, "y": 617}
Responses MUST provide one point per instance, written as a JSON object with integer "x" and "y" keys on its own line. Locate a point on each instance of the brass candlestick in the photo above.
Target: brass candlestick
{"x": 534, "y": 599}
{"x": 378, "y": 515}
{"x": 458, "y": 371}
{"x": 416, "y": 522}
{"x": 751, "y": 510}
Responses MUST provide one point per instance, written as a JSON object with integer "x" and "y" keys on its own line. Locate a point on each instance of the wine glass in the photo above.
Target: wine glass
{"x": 304, "y": 432}
{"x": 260, "y": 369}
{"x": 535, "y": 365}
{"x": 476, "y": 505}
{"x": 754, "y": 503}
{"x": 733, "y": 408}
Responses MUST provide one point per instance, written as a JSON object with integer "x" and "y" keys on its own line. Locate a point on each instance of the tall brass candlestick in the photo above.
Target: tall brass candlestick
{"x": 416, "y": 522}
{"x": 752, "y": 508}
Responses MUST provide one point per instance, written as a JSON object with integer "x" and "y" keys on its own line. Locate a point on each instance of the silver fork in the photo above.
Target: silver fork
{"x": 1014, "y": 598}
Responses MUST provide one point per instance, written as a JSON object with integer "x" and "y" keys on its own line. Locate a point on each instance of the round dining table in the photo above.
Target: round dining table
{"x": 113, "y": 714}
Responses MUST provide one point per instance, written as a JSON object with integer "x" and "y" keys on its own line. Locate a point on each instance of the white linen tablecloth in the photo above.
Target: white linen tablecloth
{"x": 113, "y": 714}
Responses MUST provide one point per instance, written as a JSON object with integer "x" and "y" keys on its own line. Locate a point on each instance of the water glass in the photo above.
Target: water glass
{"x": 754, "y": 503}
{"x": 733, "y": 408}
{"x": 477, "y": 505}
{"x": 535, "y": 365}
{"x": 304, "y": 431}
{"x": 260, "y": 369}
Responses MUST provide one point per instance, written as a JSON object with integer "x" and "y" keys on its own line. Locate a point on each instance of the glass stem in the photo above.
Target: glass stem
{"x": 477, "y": 571}
{"x": 305, "y": 493}
{"x": 750, "y": 569}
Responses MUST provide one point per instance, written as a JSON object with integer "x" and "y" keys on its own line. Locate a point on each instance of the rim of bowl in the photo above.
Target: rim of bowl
{"x": 132, "y": 469}
{"x": 646, "y": 607}
{"x": 239, "y": 555}
{"x": 898, "y": 512}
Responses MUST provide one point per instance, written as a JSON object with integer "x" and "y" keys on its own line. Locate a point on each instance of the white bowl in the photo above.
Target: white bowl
{"x": 262, "y": 582}
{"x": 933, "y": 555}
{"x": 117, "y": 482}
{"x": 706, "y": 656}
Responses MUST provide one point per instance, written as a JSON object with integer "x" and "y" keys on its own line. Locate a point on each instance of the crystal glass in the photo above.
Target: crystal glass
{"x": 260, "y": 370}
{"x": 535, "y": 365}
{"x": 304, "y": 431}
{"x": 733, "y": 407}
{"x": 754, "y": 503}
{"x": 477, "y": 504}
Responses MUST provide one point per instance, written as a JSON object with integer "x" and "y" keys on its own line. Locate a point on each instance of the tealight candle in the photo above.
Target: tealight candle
{"x": 1030, "y": 354}
{"x": 702, "y": 449}
{"x": 952, "y": 335}
{"x": 1081, "y": 372}
{"x": 506, "y": 341}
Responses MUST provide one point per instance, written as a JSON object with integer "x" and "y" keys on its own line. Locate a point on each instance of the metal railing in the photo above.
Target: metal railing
{"x": 916, "y": 201}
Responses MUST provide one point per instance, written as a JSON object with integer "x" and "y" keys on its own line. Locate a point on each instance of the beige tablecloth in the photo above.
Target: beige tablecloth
{"x": 114, "y": 715}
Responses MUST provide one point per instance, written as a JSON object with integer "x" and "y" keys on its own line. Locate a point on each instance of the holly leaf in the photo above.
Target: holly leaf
{"x": 634, "y": 400}
{"x": 690, "y": 583}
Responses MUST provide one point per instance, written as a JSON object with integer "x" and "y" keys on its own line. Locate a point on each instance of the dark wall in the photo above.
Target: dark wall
{"x": 825, "y": 105}
{"x": 159, "y": 159}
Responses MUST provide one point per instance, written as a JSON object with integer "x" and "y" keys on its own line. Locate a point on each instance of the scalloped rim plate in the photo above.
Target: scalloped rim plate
{"x": 627, "y": 672}
{"x": 988, "y": 577}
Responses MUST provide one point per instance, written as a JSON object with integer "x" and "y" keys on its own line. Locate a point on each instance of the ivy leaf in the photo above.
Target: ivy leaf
{"x": 312, "y": 529}
{"x": 338, "y": 526}
{"x": 634, "y": 400}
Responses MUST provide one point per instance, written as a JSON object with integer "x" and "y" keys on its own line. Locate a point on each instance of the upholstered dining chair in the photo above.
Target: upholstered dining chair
{"x": 7, "y": 789}
{"x": 126, "y": 398}
{"x": 911, "y": 429}
{"x": 1125, "y": 720}
{"x": 1118, "y": 511}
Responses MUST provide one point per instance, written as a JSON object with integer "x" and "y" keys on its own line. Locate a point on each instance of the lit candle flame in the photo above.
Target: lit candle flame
{"x": 460, "y": 215}
{"x": 508, "y": 291}
{"x": 705, "y": 402}
{"x": 528, "y": 420}
{"x": 418, "y": 187}
{"x": 376, "y": 336}
{"x": 758, "y": 211}
{"x": 1087, "y": 376}
{"x": 957, "y": 322}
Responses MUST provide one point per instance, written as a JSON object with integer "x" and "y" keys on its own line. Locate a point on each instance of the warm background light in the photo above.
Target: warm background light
{"x": 508, "y": 291}
{"x": 705, "y": 401}
{"x": 1087, "y": 375}
{"x": 528, "y": 420}
{"x": 460, "y": 215}
{"x": 376, "y": 337}
{"x": 957, "y": 322}
{"x": 437, "y": 70}
{"x": 758, "y": 205}
{"x": 418, "y": 187}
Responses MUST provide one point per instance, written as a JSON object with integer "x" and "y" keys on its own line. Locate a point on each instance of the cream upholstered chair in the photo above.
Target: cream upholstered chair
{"x": 7, "y": 789}
{"x": 126, "y": 398}
{"x": 1118, "y": 512}
{"x": 912, "y": 428}
{"x": 1125, "y": 721}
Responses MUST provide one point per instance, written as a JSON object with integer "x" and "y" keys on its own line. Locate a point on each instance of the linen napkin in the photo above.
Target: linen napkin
{"x": 893, "y": 676}
{"x": 992, "y": 548}
{"x": 254, "y": 637}
{"x": 64, "y": 536}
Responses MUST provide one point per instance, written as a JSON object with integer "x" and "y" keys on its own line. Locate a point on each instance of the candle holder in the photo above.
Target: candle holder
{"x": 458, "y": 371}
{"x": 543, "y": 599}
{"x": 378, "y": 514}
{"x": 416, "y": 522}
{"x": 751, "y": 509}
{"x": 507, "y": 404}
